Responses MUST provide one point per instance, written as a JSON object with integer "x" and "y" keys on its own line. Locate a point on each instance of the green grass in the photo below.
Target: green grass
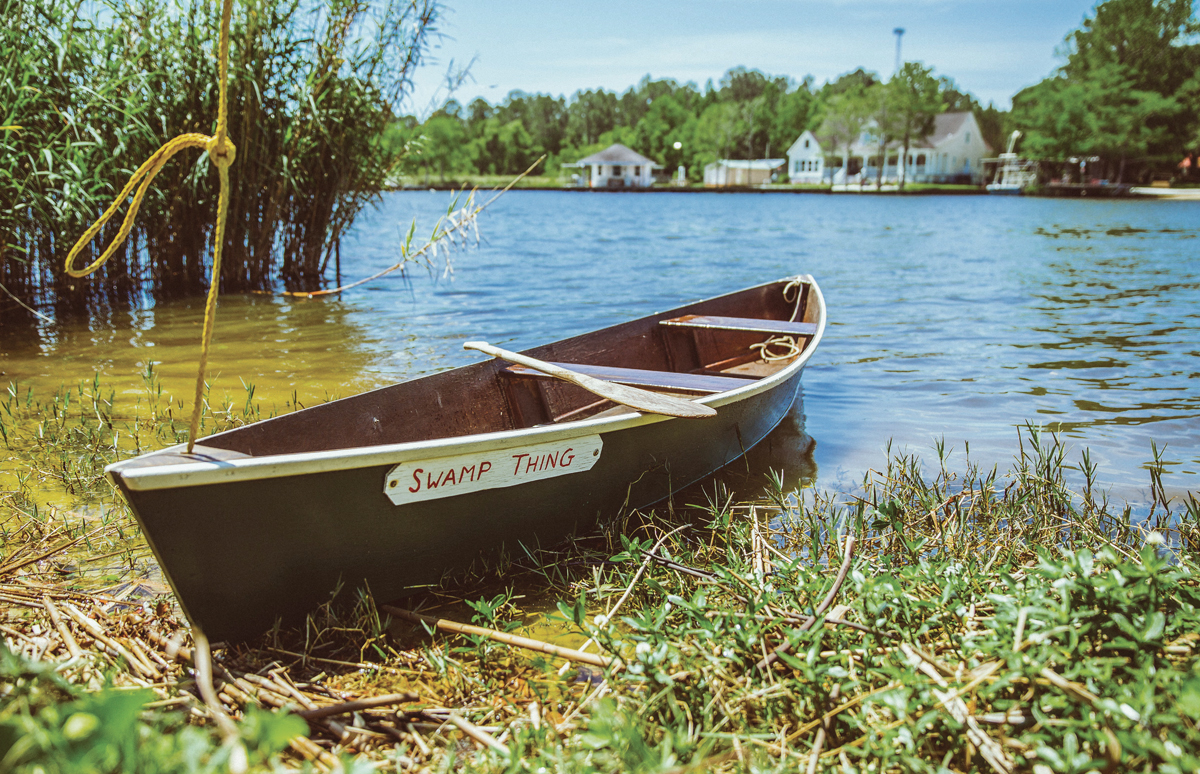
{"x": 985, "y": 621}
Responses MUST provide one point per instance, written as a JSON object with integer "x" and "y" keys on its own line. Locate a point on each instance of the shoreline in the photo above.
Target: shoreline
{"x": 1134, "y": 194}
{"x": 447, "y": 186}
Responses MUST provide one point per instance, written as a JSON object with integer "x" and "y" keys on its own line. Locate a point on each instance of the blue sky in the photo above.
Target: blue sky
{"x": 992, "y": 48}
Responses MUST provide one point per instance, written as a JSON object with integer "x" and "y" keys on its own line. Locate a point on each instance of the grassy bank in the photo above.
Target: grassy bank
{"x": 940, "y": 622}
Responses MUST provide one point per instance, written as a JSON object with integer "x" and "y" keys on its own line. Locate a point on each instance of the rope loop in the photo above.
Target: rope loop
{"x": 790, "y": 349}
{"x": 222, "y": 152}
{"x": 779, "y": 348}
{"x": 144, "y": 174}
{"x": 791, "y": 294}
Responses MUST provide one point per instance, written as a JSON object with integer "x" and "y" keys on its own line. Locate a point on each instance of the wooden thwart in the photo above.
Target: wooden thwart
{"x": 742, "y": 324}
{"x": 703, "y": 384}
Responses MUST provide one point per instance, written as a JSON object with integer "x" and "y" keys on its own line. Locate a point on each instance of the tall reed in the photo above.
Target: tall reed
{"x": 91, "y": 90}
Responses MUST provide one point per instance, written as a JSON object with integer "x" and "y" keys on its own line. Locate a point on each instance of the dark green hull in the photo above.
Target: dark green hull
{"x": 245, "y": 552}
{"x": 240, "y": 555}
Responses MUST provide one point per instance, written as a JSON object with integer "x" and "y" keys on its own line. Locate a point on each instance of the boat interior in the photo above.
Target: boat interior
{"x": 709, "y": 347}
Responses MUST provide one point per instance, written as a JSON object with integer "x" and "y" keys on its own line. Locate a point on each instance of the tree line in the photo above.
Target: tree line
{"x": 748, "y": 114}
{"x": 1128, "y": 92}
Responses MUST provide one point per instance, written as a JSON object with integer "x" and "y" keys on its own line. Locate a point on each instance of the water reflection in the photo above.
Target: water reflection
{"x": 786, "y": 454}
{"x": 280, "y": 347}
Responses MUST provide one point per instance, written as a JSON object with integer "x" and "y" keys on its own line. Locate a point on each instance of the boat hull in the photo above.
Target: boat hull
{"x": 259, "y": 540}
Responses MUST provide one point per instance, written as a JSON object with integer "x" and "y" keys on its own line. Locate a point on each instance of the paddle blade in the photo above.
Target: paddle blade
{"x": 646, "y": 401}
{"x": 634, "y": 398}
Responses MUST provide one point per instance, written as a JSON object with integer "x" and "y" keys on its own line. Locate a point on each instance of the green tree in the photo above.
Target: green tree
{"x": 791, "y": 116}
{"x": 845, "y": 117}
{"x": 914, "y": 100}
{"x": 589, "y": 115}
{"x": 1055, "y": 117}
{"x": 1123, "y": 91}
{"x": 666, "y": 123}
{"x": 884, "y": 125}
{"x": 444, "y": 146}
{"x": 718, "y": 132}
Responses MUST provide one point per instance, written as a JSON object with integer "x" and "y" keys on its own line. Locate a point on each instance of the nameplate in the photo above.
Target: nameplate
{"x": 437, "y": 477}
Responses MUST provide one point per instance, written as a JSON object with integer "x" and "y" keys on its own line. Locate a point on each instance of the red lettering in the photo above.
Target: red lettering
{"x": 551, "y": 459}
{"x": 564, "y": 461}
{"x": 484, "y": 467}
{"x": 416, "y": 477}
{"x": 448, "y": 478}
{"x": 518, "y": 457}
{"x": 462, "y": 476}
{"x": 431, "y": 481}
{"x": 532, "y": 464}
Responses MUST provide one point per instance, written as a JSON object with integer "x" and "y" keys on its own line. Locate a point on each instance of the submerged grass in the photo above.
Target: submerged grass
{"x": 928, "y": 621}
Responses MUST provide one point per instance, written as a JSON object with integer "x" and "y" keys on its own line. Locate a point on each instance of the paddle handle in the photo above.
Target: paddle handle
{"x": 528, "y": 362}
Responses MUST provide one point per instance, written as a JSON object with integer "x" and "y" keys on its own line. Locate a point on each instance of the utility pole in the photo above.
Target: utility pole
{"x": 899, "y": 33}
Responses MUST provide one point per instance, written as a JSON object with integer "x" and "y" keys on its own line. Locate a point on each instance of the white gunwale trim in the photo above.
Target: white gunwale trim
{"x": 283, "y": 465}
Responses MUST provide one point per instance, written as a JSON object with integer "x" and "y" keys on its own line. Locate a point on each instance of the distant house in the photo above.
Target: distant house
{"x": 806, "y": 160}
{"x": 725, "y": 172}
{"x": 952, "y": 153}
{"x": 618, "y": 167}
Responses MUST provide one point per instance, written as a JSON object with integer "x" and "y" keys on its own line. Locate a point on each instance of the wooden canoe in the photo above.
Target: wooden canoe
{"x": 394, "y": 488}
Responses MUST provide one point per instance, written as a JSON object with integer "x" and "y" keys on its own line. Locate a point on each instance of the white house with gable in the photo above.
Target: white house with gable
{"x": 618, "y": 167}
{"x": 952, "y": 153}
{"x": 806, "y": 160}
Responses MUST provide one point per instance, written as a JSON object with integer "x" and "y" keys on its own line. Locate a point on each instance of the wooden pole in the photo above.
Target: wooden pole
{"x": 504, "y": 637}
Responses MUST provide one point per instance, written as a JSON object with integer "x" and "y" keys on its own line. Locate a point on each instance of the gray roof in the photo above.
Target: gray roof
{"x": 944, "y": 125}
{"x": 615, "y": 154}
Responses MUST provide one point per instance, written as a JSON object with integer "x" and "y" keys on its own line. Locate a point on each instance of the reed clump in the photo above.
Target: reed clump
{"x": 92, "y": 90}
{"x": 927, "y": 621}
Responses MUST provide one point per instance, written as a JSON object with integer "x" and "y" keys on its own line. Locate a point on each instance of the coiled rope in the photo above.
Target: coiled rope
{"x": 221, "y": 152}
{"x": 779, "y": 348}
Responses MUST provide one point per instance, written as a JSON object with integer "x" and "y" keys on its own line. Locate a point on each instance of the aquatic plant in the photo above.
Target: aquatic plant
{"x": 92, "y": 90}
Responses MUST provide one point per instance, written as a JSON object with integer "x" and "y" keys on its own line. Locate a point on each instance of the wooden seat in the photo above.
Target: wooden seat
{"x": 703, "y": 384}
{"x": 742, "y": 324}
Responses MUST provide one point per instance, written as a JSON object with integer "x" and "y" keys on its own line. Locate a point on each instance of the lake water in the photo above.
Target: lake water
{"x": 960, "y": 317}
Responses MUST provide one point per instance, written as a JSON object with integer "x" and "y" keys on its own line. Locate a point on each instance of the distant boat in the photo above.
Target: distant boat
{"x": 1014, "y": 176}
{"x": 394, "y": 488}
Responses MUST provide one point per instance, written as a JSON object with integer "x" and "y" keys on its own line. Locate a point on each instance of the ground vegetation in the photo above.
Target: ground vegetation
{"x": 941, "y": 616}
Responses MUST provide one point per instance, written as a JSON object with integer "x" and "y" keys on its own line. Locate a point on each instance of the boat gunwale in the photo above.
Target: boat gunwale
{"x": 200, "y": 473}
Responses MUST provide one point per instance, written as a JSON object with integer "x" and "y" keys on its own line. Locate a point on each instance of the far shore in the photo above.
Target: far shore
{"x": 890, "y": 189}
{"x": 541, "y": 184}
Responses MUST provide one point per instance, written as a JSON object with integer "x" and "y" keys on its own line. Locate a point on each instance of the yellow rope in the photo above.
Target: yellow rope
{"x": 221, "y": 152}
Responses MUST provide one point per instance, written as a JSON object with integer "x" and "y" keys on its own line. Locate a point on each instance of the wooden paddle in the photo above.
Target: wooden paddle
{"x": 642, "y": 400}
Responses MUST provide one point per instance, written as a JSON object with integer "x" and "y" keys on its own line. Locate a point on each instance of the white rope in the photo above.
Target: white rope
{"x": 790, "y": 349}
{"x": 779, "y": 348}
